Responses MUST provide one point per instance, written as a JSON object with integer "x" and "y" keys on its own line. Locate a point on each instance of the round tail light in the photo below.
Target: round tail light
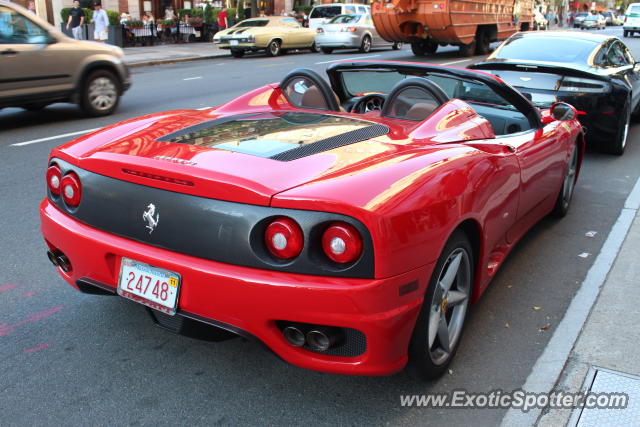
{"x": 71, "y": 189}
{"x": 341, "y": 242}
{"x": 283, "y": 238}
{"x": 54, "y": 178}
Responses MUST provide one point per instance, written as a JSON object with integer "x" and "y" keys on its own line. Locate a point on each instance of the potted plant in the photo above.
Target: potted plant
{"x": 167, "y": 23}
{"x": 135, "y": 23}
{"x": 196, "y": 22}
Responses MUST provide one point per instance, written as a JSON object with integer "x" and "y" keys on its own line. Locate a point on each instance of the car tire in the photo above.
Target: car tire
{"x": 236, "y": 53}
{"x": 430, "y": 47}
{"x": 468, "y": 49}
{"x": 397, "y": 46}
{"x": 424, "y": 47}
{"x": 482, "y": 42}
{"x": 418, "y": 48}
{"x": 435, "y": 338}
{"x": 622, "y": 134}
{"x": 314, "y": 48}
{"x": 568, "y": 184}
{"x": 365, "y": 46}
{"x": 326, "y": 50}
{"x": 100, "y": 93}
{"x": 625, "y": 34}
{"x": 273, "y": 48}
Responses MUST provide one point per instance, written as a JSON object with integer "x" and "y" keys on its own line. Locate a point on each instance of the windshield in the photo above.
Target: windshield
{"x": 253, "y": 23}
{"x": 581, "y": 14}
{"x": 358, "y": 83}
{"x": 634, "y": 10}
{"x": 345, "y": 19}
{"x": 325, "y": 11}
{"x": 549, "y": 49}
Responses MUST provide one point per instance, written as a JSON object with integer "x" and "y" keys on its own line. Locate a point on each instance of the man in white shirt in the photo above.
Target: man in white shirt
{"x": 101, "y": 21}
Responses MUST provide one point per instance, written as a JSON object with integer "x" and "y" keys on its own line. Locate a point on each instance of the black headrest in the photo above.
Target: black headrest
{"x": 314, "y": 77}
{"x": 430, "y": 87}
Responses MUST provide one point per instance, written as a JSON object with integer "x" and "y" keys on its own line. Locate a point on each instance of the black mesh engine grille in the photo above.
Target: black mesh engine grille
{"x": 327, "y": 144}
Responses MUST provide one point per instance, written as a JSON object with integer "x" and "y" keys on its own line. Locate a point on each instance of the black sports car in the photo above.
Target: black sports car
{"x": 595, "y": 73}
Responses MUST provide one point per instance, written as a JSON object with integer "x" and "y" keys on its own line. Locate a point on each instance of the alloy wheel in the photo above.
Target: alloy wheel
{"x": 569, "y": 182}
{"x": 366, "y": 44}
{"x": 102, "y": 93}
{"x": 448, "y": 306}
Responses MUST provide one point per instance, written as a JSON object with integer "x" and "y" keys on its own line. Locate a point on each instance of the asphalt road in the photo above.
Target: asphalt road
{"x": 79, "y": 359}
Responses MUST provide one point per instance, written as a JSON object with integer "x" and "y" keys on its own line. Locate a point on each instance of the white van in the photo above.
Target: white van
{"x": 324, "y": 12}
{"x": 631, "y": 20}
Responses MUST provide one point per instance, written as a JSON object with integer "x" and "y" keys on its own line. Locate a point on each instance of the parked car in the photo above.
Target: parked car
{"x": 322, "y": 13}
{"x": 272, "y": 34}
{"x": 596, "y": 21}
{"x": 539, "y": 21}
{"x": 348, "y": 243}
{"x": 578, "y": 18}
{"x": 611, "y": 18}
{"x": 631, "y": 20}
{"x": 595, "y": 73}
{"x": 41, "y": 66}
{"x": 350, "y": 32}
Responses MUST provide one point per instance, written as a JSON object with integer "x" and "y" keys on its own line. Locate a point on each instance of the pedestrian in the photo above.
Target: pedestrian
{"x": 76, "y": 20}
{"x": 247, "y": 10}
{"x": 169, "y": 14}
{"x": 31, "y": 7}
{"x": 222, "y": 19}
{"x": 101, "y": 21}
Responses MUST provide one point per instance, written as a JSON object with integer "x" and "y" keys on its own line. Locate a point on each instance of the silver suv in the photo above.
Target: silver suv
{"x": 39, "y": 66}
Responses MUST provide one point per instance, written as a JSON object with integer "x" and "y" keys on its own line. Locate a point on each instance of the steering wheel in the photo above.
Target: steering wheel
{"x": 372, "y": 102}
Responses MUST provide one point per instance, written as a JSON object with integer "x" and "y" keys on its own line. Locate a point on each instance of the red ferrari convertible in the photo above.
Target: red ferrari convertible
{"x": 346, "y": 225}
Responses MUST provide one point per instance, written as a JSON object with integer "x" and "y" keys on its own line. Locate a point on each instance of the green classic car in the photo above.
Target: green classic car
{"x": 273, "y": 34}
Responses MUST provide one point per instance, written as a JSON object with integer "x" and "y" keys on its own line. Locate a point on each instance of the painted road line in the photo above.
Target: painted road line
{"x": 346, "y": 59}
{"x": 192, "y": 78}
{"x": 456, "y": 62}
{"x": 275, "y": 64}
{"x": 548, "y": 368}
{"x": 50, "y": 138}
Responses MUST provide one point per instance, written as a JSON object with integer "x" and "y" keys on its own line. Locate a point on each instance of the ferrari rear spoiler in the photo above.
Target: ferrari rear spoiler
{"x": 536, "y": 68}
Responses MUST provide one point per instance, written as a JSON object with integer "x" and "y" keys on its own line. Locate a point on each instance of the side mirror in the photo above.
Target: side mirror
{"x": 563, "y": 111}
{"x": 636, "y": 67}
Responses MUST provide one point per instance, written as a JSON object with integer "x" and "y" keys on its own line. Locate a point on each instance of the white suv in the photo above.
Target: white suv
{"x": 632, "y": 20}
{"x": 324, "y": 12}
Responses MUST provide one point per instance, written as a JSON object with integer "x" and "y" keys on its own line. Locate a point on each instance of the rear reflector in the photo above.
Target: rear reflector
{"x": 284, "y": 238}
{"x": 53, "y": 179}
{"x": 342, "y": 243}
{"x": 71, "y": 189}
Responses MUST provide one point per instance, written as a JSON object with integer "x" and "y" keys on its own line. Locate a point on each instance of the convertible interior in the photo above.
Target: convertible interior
{"x": 410, "y": 94}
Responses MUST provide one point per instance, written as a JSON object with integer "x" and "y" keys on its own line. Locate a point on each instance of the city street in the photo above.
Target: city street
{"x": 83, "y": 359}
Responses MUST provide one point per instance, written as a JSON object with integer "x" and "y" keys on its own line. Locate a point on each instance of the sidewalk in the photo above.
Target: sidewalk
{"x": 610, "y": 339}
{"x": 163, "y": 54}
{"x": 596, "y": 346}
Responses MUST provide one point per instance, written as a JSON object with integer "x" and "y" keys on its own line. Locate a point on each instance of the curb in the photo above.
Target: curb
{"x": 173, "y": 60}
{"x": 553, "y": 362}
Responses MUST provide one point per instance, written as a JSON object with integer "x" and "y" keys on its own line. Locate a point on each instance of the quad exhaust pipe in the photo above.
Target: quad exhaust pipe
{"x": 294, "y": 336}
{"x": 58, "y": 259}
{"x": 319, "y": 338}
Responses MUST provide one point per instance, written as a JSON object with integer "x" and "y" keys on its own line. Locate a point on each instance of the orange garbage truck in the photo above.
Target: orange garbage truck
{"x": 470, "y": 24}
